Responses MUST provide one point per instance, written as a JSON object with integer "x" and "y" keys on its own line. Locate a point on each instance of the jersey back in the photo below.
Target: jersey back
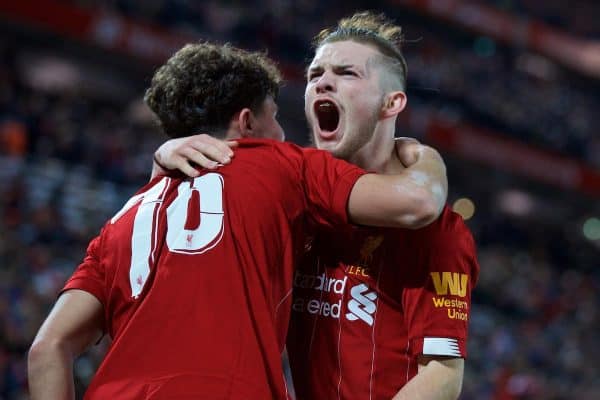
{"x": 195, "y": 274}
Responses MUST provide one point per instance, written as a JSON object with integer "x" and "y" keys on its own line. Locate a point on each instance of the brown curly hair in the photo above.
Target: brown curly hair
{"x": 372, "y": 29}
{"x": 203, "y": 85}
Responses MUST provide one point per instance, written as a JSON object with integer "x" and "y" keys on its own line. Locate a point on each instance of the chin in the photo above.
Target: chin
{"x": 328, "y": 145}
{"x": 339, "y": 152}
{"x": 336, "y": 149}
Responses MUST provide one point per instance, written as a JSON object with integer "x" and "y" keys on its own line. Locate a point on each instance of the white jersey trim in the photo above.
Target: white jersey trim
{"x": 436, "y": 346}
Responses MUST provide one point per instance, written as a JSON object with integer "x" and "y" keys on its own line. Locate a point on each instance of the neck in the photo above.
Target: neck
{"x": 379, "y": 155}
{"x": 232, "y": 134}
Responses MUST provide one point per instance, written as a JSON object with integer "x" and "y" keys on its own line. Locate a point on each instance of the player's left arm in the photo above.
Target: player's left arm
{"x": 437, "y": 303}
{"x": 438, "y": 378}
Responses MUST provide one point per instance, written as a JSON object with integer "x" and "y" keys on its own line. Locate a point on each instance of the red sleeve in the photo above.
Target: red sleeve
{"x": 90, "y": 275}
{"x": 438, "y": 306}
{"x": 328, "y": 183}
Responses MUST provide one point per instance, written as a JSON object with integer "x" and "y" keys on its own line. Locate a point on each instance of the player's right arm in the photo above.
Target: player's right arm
{"x": 411, "y": 199}
{"x": 181, "y": 153}
{"x": 74, "y": 324}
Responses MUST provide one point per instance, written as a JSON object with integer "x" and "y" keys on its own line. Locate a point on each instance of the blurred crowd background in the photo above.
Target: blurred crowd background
{"x": 507, "y": 90}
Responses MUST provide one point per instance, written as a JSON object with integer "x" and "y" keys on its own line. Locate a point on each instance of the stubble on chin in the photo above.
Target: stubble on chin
{"x": 342, "y": 151}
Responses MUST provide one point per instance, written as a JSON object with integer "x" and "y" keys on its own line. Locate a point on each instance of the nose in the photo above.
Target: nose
{"x": 325, "y": 83}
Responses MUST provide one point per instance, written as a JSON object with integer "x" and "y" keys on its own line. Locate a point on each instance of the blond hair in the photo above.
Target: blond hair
{"x": 371, "y": 29}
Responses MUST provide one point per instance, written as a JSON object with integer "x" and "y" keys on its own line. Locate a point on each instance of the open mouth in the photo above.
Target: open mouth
{"x": 328, "y": 115}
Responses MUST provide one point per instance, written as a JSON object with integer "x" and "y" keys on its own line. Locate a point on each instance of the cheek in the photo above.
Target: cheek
{"x": 359, "y": 108}
{"x": 360, "y": 97}
{"x": 307, "y": 101}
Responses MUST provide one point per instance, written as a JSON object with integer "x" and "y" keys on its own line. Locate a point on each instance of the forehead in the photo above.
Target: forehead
{"x": 343, "y": 53}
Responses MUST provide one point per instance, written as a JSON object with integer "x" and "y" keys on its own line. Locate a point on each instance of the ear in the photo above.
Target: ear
{"x": 393, "y": 104}
{"x": 245, "y": 122}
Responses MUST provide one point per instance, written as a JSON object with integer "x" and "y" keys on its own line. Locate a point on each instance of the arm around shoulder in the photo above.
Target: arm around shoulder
{"x": 411, "y": 199}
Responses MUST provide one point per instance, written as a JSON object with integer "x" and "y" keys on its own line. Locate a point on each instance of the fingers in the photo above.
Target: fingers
{"x": 220, "y": 153}
{"x": 186, "y": 154}
{"x": 407, "y": 140}
{"x": 408, "y": 150}
{"x": 222, "y": 145}
{"x": 192, "y": 156}
{"x": 186, "y": 168}
{"x": 212, "y": 148}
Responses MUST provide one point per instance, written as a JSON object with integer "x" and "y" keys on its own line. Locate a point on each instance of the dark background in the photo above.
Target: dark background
{"x": 508, "y": 91}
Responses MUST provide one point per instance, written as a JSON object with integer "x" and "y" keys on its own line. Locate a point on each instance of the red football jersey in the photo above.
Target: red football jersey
{"x": 368, "y": 302}
{"x": 195, "y": 275}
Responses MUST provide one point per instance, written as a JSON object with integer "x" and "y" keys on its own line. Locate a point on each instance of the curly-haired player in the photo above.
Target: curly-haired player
{"x": 185, "y": 104}
{"x": 192, "y": 278}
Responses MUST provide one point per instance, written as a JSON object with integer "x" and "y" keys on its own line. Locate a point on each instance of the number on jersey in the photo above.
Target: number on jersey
{"x": 194, "y": 222}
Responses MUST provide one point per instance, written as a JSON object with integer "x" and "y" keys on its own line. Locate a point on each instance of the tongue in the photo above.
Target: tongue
{"x": 326, "y": 135}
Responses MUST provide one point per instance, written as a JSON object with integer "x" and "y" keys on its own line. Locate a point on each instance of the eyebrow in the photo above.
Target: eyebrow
{"x": 338, "y": 66}
{"x": 334, "y": 66}
{"x": 344, "y": 66}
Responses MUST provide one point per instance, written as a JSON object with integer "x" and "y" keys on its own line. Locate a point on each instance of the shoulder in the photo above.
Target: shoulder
{"x": 445, "y": 243}
{"x": 272, "y": 154}
{"x": 269, "y": 146}
{"x": 449, "y": 227}
{"x": 301, "y": 160}
{"x": 286, "y": 149}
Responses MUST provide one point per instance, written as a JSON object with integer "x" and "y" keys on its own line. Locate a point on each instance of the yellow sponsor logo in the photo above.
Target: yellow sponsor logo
{"x": 356, "y": 270}
{"x": 454, "y": 314}
{"x": 450, "y": 281}
{"x": 439, "y": 302}
{"x": 456, "y": 309}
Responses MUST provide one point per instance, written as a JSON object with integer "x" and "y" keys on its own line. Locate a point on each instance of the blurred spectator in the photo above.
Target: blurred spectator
{"x": 69, "y": 158}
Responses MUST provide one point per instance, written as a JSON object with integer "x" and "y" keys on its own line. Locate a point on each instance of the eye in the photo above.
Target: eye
{"x": 349, "y": 73}
{"x": 313, "y": 75}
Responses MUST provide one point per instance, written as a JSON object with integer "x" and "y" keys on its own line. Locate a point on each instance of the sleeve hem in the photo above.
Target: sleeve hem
{"x": 81, "y": 284}
{"x": 343, "y": 190}
{"x": 439, "y": 346}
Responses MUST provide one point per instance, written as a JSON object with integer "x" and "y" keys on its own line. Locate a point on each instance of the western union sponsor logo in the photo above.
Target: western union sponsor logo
{"x": 439, "y": 302}
{"x": 453, "y": 281}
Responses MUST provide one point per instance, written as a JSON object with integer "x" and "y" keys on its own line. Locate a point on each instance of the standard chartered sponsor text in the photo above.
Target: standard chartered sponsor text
{"x": 320, "y": 307}
{"x": 320, "y": 283}
{"x": 325, "y": 294}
